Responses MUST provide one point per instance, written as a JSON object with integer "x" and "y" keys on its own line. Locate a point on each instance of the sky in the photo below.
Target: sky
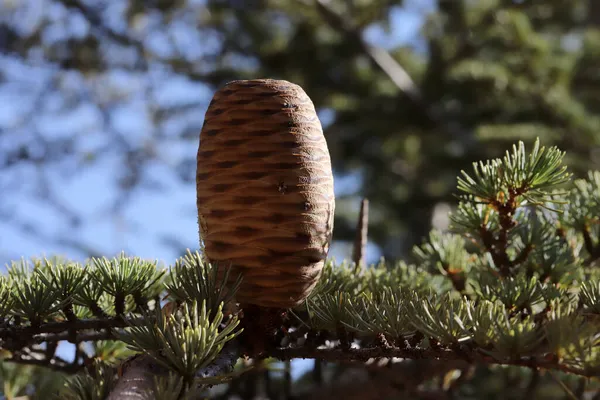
{"x": 90, "y": 192}
{"x": 83, "y": 192}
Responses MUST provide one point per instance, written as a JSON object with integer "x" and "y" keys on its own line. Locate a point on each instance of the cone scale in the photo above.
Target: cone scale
{"x": 265, "y": 190}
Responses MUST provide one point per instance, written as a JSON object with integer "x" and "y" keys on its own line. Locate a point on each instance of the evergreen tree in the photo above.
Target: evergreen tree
{"x": 514, "y": 284}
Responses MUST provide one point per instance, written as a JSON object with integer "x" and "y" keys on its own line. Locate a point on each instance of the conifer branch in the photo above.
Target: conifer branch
{"x": 18, "y": 332}
{"x": 446, "y": 354}
{"x": 55, "y": 363}
{"x": 524, "y": 298}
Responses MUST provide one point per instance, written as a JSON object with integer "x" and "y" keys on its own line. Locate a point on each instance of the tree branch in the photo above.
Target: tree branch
{"x": 137, "y": 379}
{"x": 472, "y": 356}
{"x": 56, "y": 364}
{"x": 62, "y": 326}
{"x": 138, "y": 374}
{"x": 17, "y": 338}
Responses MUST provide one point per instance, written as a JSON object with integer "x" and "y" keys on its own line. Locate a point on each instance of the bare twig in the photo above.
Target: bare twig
{"x": 80, "y": 337}
{"x": 362, "y": 230}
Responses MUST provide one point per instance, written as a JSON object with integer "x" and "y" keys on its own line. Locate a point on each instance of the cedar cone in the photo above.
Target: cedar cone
{"x": 265, "y": 190}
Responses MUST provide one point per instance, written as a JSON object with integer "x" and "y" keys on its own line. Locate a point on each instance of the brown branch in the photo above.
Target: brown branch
{"x": 82, "y": 324}
{"x": 78, "y": 338}
{"x": 364, "y": 354}
{"x": 17, "y": 339}
{"x": 362, "y": 230}
{"x": 137, "y": 373}
{"x": 523, "y": 255}
{"x": 56, "y": 363}
{"x": 498, "y": 246}
{"x": 137, "y": 379}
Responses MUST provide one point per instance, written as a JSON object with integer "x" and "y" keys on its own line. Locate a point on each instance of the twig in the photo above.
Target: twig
{"x": 138, "y": 373}
{"x": 56, "y": 364}
{"x": 364, "y": 354}
{"x": 29, "y": 334}
{"x": 80, "y": 337}
{"x": 362, "y": 230}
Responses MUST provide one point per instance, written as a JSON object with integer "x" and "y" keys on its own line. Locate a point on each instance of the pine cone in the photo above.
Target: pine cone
{"x": 265, "y": 190}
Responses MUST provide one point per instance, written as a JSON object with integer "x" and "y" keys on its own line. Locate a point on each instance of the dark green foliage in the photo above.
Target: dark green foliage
{"x": 185, "y": 342}
{"x": 524, "y": 307}
{"x": 521, "y": 291}
{"x": 193, "y": 278}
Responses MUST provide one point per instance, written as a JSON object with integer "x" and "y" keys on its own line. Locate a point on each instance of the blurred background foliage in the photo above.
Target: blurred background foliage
{"x": 110, "y": 97}
{"x": 102, "y": 103}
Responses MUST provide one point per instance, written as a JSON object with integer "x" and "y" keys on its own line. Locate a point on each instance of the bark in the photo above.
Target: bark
{"x": 137, "y": 379}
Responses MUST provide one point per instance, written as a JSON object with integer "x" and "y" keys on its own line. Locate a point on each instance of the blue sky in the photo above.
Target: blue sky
{"x": 37, "y": 107}
{"x": 88, "y": 188}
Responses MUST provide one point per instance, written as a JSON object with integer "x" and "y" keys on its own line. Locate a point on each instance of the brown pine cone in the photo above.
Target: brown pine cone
{"x": 265, "y": 190}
